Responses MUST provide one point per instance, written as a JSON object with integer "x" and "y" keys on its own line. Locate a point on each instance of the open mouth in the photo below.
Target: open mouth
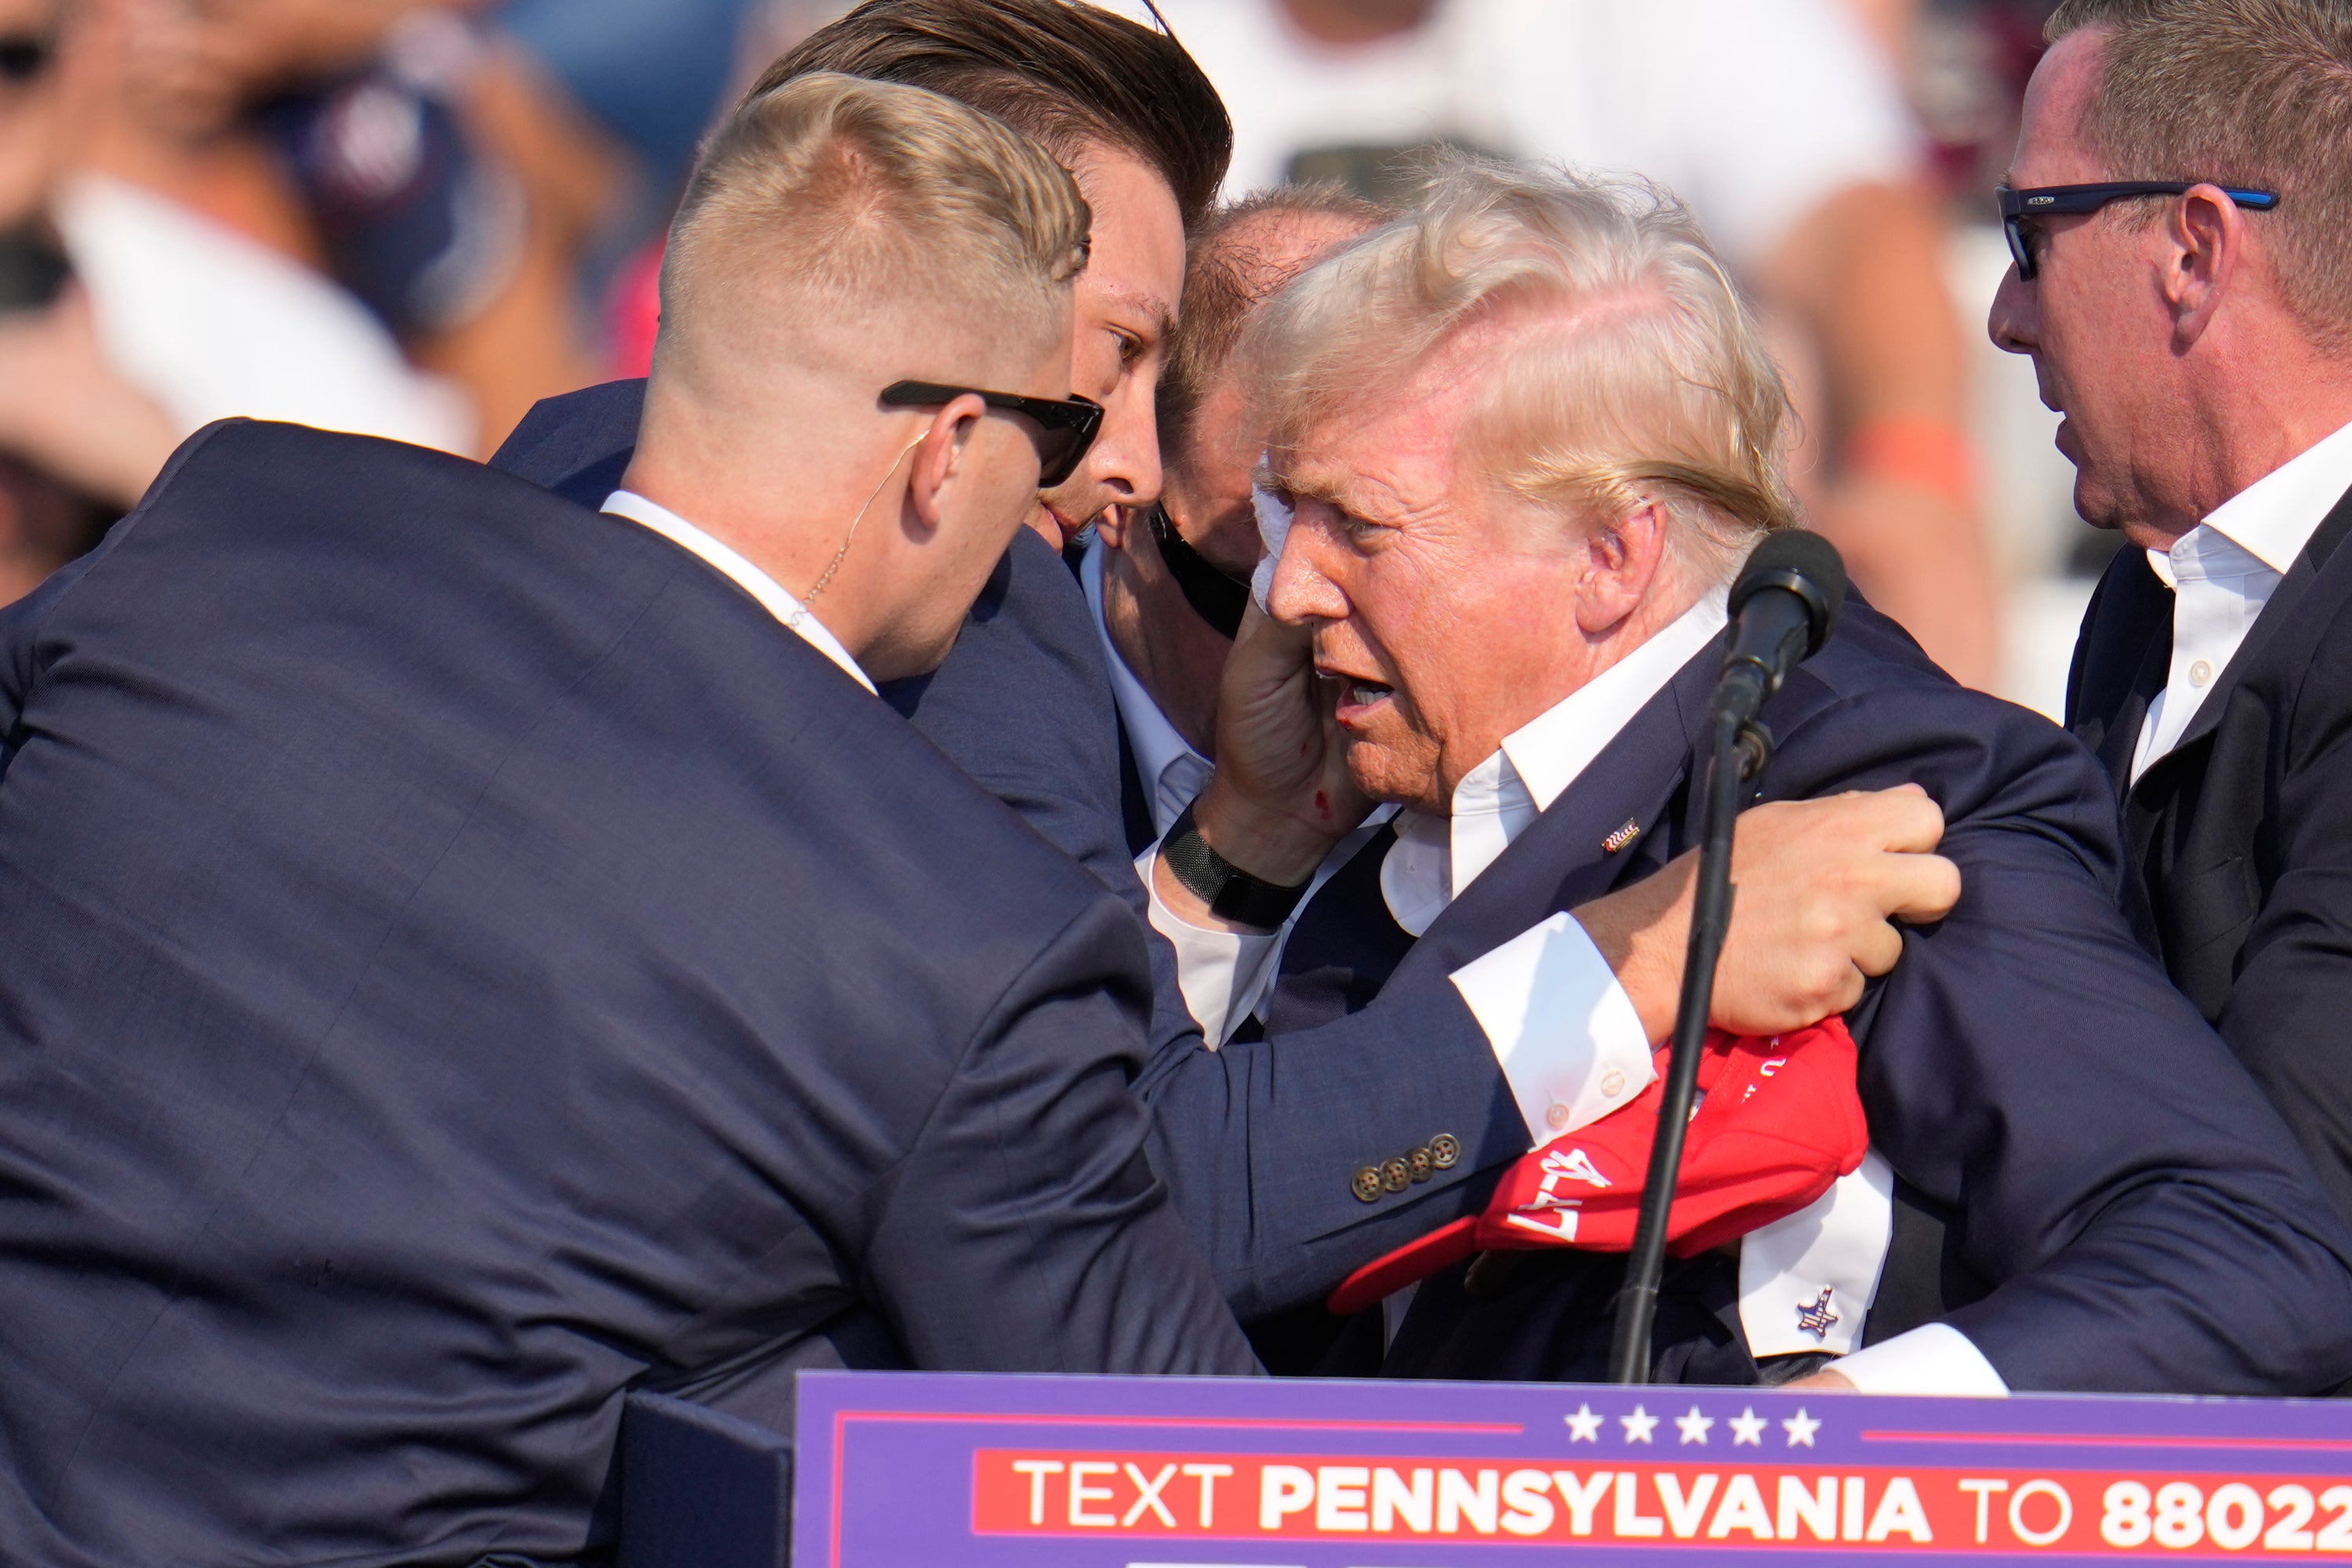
{"x": 1359, "y": 698}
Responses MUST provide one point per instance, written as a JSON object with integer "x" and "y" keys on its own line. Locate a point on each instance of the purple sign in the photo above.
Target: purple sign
{"x": 1099, "y": 1472}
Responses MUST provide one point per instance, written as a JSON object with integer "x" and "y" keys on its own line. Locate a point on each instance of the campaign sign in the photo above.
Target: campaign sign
{"x": 908, "y": 1469}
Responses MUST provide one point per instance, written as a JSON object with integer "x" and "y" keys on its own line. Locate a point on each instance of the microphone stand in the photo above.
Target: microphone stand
{"x": 1737, "y": 752}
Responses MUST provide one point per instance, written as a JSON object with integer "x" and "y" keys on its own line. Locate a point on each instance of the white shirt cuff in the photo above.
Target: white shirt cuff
{"x": 1220, "y": 972}
{"x": 1934, "y": 1358}
{"x": 1566, "y": 1035}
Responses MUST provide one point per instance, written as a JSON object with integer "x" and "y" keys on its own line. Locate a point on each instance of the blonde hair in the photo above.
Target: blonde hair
{"x": 857, "y": 199}
{"x": 1636, "y": 371}
{"x": 2241, "y": 92}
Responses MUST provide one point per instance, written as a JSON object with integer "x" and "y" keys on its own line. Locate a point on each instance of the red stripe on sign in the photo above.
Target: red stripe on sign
{"x": 2096, "y": 1440}
{"x": 1136, "y": 1497}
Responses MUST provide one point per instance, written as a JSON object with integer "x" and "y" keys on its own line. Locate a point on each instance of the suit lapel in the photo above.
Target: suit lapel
{"x": 2121, "y": 663}
{"x": 2292, "y": 589}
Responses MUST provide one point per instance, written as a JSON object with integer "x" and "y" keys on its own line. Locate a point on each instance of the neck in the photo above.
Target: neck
{"x": 1174, "y": 655}
{"x": 2249, "y": 427}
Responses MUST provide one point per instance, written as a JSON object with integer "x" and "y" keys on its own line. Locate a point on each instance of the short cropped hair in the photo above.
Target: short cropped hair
{"x": 1228, "y": 274}
{"x": 1636, "y": 370}
{"x": 864, "y": 199}
{"x": 1066, "y": 72}
{"x": 2241, "y": 92}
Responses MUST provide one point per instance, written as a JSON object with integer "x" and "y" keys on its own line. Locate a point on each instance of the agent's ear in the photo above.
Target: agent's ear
{"x": 2208, "y": 236}
{"x": 1621, "y": 556}
{"x": 939, "y": 457}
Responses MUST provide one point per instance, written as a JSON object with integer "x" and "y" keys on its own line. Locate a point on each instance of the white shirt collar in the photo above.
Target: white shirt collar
{"x": 2273, "y": 518}
{"x": 1435, "y": 858}
{"x": 1169, "y": 769}
{"x": 771, "y": 595}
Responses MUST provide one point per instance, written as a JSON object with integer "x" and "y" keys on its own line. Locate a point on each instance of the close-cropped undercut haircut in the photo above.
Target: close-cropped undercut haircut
{"x": 1623, "y": 366}
{"x": 854, "y": 203}
{"x": 2248, "y": 93}
{"x": 1066, "y": 72}
{"x": 1233, "y": 263}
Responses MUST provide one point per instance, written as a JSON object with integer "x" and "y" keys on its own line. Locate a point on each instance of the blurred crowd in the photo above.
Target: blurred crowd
{"x": 415, "y": 218}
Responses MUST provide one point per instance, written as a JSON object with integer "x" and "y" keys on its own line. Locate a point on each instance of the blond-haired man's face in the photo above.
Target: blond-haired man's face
{"x": 1446, "y": 615}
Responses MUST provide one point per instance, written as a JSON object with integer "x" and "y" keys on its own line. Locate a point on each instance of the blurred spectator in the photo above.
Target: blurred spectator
{"x": 1781, "y": 123}
{"x": 181, "y": 295}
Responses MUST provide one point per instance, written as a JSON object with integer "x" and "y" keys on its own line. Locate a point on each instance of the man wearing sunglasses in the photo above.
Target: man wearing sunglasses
{"x": 2176, "y": 212}
{"x": 471, "y": 956}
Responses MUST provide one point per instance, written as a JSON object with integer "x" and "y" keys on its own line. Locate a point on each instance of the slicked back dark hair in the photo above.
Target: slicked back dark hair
{"x": 1066, "y": 72}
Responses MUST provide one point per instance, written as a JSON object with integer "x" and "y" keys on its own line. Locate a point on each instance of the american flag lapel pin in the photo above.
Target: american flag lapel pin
{"x": 1622, "y": 837}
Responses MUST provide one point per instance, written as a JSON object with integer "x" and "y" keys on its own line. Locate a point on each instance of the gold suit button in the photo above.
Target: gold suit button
{"x": 1395, "y": 1176}
{"x": 1420, "y": 1163}
{"x": 1366, "y": 1184}
{"x": 1444, "y": 1151}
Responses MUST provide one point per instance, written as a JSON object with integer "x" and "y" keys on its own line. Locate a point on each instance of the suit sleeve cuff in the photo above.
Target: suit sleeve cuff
{"x": 1221, "y": 972}
{"x": 1934, "y": 1358}
{"x": 1564, "y": 1032}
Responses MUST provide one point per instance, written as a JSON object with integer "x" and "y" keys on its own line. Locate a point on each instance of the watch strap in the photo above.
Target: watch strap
{"x": 1232, "y": 893}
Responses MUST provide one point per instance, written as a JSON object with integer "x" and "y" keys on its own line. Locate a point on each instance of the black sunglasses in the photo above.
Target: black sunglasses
{"x": 1216, "y": 595}
{"x": 2068, "y": 201}
{"x": 23, "y": 56}
{"x": 1064, "y": 429}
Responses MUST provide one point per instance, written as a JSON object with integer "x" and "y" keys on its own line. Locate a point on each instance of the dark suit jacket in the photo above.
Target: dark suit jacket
{"x": 2240, "y": 839}
{"x": 1263, "y": 1163}
{"x": 2094, "y": 1191}
{"x": 466, "y": 959}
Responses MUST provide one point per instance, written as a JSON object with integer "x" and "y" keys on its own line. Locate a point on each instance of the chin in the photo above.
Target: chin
{"x": 1393, "y": 775}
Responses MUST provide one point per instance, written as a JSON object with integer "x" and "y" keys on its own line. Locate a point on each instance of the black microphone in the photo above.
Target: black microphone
{"x": 1784, "y": 606}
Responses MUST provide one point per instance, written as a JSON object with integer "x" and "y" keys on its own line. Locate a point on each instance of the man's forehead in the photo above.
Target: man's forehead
{"x": 2049, "y": 146}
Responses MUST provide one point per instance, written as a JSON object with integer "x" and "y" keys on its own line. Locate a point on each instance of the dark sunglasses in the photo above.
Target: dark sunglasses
{"x": 1062, "y": 430}
{"x": 1216, "y": 597}
{"x": 2068, "y": 201}
{"x": 23, "y": 56}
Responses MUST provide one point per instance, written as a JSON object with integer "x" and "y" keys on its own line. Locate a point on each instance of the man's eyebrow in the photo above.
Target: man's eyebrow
{"x": 1160, "y": 314}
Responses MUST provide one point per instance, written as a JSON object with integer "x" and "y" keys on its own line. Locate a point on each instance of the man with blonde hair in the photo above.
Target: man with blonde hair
{"x": 1523, "y": 437}
{"x": 473, "y": 955}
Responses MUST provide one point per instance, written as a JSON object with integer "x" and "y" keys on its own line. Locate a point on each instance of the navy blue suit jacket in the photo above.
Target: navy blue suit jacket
{"x": 466, "y": 959}
{"x": 1262, "y": 1162}
{"x": 2107, "y": 1201}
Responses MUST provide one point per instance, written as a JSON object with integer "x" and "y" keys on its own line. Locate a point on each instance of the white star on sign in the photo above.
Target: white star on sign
{"x": 1747, "y": 1428}
{"x": 1693, "y": 1426}
{"x": 1638, "y": 1424}
{"x": 1583, "y": 1427}
{"x": 1800, "y": 1428}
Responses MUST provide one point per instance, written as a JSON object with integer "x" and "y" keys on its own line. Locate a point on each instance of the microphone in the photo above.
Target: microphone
{"x": 1784, "y": 606}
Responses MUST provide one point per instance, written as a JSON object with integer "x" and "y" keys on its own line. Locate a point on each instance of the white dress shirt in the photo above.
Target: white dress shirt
{"x": 1572, "y": 1048}
{"x": 771, "y": 595}
{"x": 2223, "y": 572}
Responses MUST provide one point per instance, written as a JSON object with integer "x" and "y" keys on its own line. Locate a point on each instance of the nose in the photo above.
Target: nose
{"x": 1122, "y": 467}
{"x": 2014, "y": 321}
{"x": 1302, "y": 592}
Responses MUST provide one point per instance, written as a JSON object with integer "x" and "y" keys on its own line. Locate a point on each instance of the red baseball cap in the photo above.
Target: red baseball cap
{"x": 1780, "y": 1123}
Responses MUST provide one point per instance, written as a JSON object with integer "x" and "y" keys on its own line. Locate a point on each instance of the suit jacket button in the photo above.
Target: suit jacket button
{"x": 1444, "y": 1151}
{"x": 1395, "y": 1176}
{"x": 1420, "y": 1163}
{"x": 1366, "y": 1184}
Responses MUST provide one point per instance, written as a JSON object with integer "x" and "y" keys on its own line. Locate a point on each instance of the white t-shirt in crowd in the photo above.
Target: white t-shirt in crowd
{"x": 1754, "y": 111}
{"x": 212, "y": 324}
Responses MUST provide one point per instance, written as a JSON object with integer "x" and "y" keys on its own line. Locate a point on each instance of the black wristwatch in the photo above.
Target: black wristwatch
{"x": 1232, "y": 893}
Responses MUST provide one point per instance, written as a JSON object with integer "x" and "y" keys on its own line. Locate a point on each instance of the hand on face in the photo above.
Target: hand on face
{"x": 1282, "y": 796}
{"x": 1820, "y": 884}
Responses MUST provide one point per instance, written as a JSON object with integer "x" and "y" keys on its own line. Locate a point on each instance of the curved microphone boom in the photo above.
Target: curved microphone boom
{"x": 1783, "y": 607}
